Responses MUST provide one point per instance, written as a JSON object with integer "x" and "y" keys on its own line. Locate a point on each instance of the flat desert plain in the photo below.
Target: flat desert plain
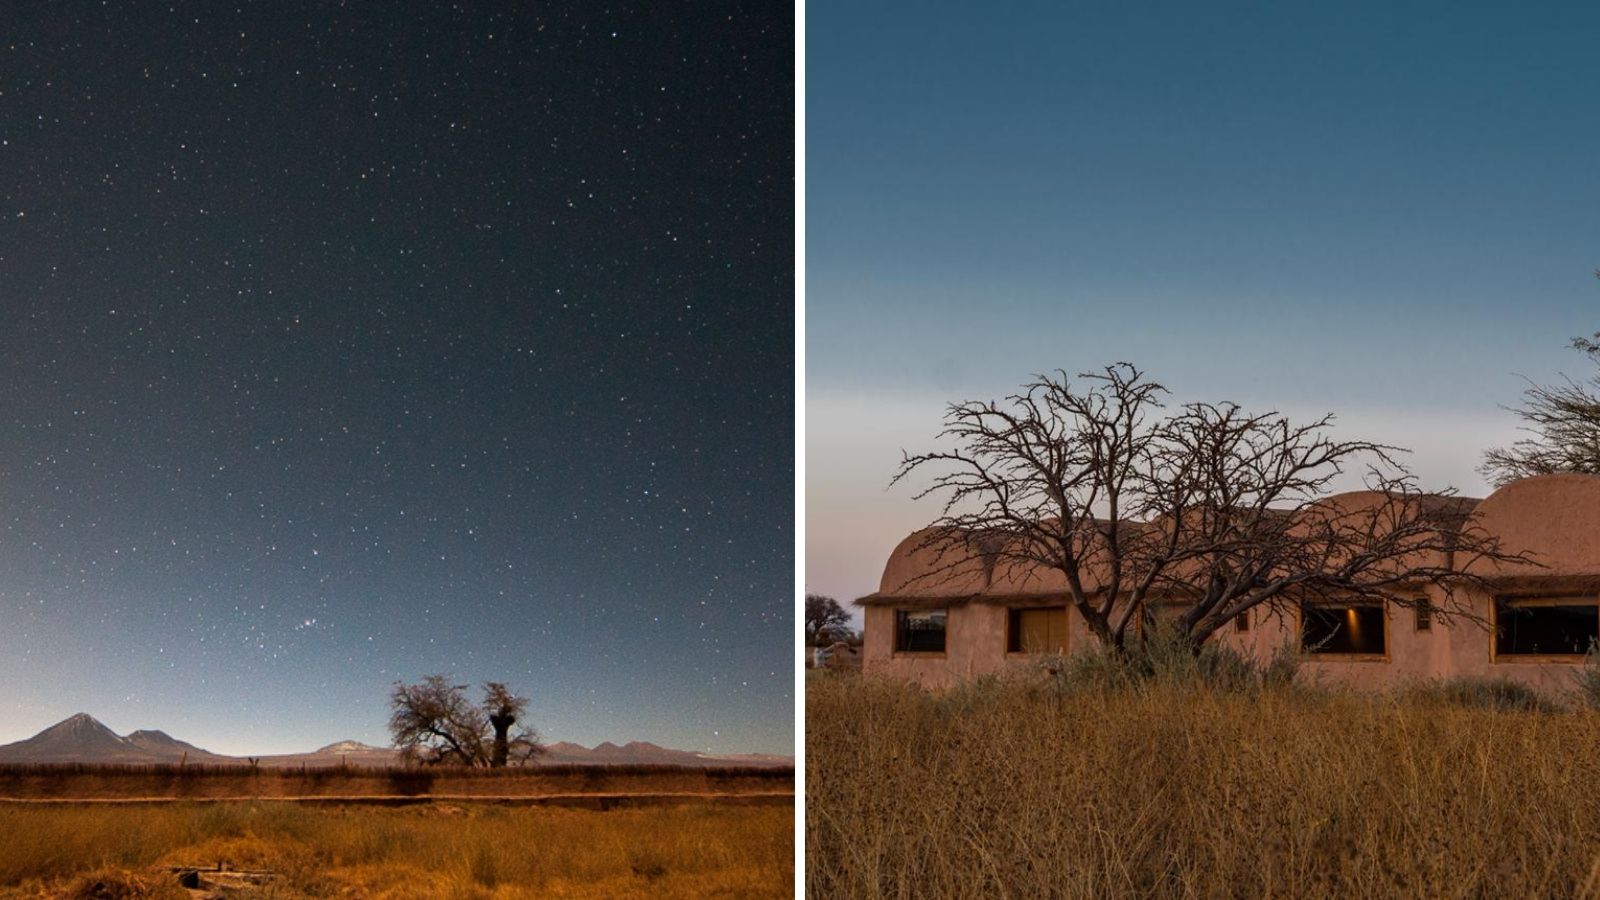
{"x": 196, "y": 831}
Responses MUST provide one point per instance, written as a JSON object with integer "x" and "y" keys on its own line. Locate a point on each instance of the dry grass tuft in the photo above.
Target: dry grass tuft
{"x": 1020, "y": 789}
{"x": 122, "y": 884}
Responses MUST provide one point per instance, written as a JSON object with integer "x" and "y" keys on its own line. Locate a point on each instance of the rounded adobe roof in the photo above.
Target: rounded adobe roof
{"x": 1555, "y": 519}
{"x": 919, "y": 566}
{"x": 1366, "y": 510}
{"x": 1448, "y": 505}
{"x": 1017, "y": 574}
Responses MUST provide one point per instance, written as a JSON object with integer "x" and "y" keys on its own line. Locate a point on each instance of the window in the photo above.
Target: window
{"x": 1241, "y": 622}
{"x": 1424, "y": 613}
{"x": 1545, "y": 626}
{"x": 1161, "y": 615}
{"x": 1354, "y": 630}
{"x": 1042, "y": 630}
{"x": 919, "y": 631}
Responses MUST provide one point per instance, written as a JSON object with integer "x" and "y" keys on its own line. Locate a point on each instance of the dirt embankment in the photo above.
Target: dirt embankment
{"x": 76, "y": 782}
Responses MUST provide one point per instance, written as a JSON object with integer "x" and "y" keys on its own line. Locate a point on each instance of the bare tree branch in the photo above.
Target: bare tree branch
{"x": 1563, "y": 422}
{"x": 1210, "y": 506}
{"x": 433, "y": 722}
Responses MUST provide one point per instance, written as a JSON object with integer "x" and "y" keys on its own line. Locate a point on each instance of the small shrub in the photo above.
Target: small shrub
{"x": 647, "y": 864}
{"x": 1587, "y": 677}
{"x": 486, "y": 866}
{"x": 1166, "y": 657}
{"x": 122, "y": 884}
{"x": 1095, "y": 668}
{"x": 1480, "y": 692}
{"x": 1282, "y": 667}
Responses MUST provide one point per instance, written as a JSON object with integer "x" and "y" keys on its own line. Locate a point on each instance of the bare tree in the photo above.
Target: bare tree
{"x": 503, "y": 709}
{"x": 825, "y": 619}
{"x": 1564, "y": 421}
{"x": 433, "y": 722}
{"x": 1214, "y": 508}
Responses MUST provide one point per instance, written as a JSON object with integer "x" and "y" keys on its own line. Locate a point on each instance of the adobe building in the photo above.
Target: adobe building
{"x": 838, "y": 656}
{"x": 935, "y": 621}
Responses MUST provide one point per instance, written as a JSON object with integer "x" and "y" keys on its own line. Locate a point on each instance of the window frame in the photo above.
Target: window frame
{"x": 900, "y": 616}
{"x": 1336, "y": 656}
{"x": 1535, "y": 600}
{"x": 1422, "y": 616}
{"x": 1013, "y": 638}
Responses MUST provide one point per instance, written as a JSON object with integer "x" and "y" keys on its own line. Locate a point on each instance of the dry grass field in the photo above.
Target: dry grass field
{"x": 202, "y": 782}
{"x": 1020, "y": 789}
{"x": 466, "y": 851}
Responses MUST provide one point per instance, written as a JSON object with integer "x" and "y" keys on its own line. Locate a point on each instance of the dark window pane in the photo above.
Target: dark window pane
{"x": 1424, "y": 614}
{"x": 1342, "y": 629}
{"x": 920, "y": 631}
{"x": 1545, "y": 630}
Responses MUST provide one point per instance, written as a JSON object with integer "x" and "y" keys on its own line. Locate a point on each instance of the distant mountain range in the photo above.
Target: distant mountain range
{"x": 83, "y": 739}
{"x": 641, "y": 753}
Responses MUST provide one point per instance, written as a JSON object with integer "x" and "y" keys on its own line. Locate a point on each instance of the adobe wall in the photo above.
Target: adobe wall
{"x": 1472, "y": 654}
{"x": 1411, "y": 654}
{"x": 976, "y": 642}
{"x": 1454, "y": 648}
{"x": 1555, "y": 519}
{"x": 975, "y": 645}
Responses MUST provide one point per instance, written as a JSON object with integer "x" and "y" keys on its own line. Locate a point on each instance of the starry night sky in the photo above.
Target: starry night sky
{"x": 347, "y": 344}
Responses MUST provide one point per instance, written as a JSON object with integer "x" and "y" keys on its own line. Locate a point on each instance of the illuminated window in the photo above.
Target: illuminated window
{"x": 1351, "y": 630}
{"x": 1546, "y": 626}
{"x": 919, "y": 631}
{"x": 1424, "y": 613}
{"x": 1042, "y": 630}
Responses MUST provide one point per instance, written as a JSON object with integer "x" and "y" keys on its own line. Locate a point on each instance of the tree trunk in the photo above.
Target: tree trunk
{"x": 502, "y": 727}
{"x": 1099, "y": 625}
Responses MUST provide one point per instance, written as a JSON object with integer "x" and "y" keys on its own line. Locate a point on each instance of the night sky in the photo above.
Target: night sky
{"x": 347, "y": 344}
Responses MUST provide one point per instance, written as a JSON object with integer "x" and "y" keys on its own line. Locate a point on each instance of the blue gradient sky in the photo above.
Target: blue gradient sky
{"x": 1384, "y": 211}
